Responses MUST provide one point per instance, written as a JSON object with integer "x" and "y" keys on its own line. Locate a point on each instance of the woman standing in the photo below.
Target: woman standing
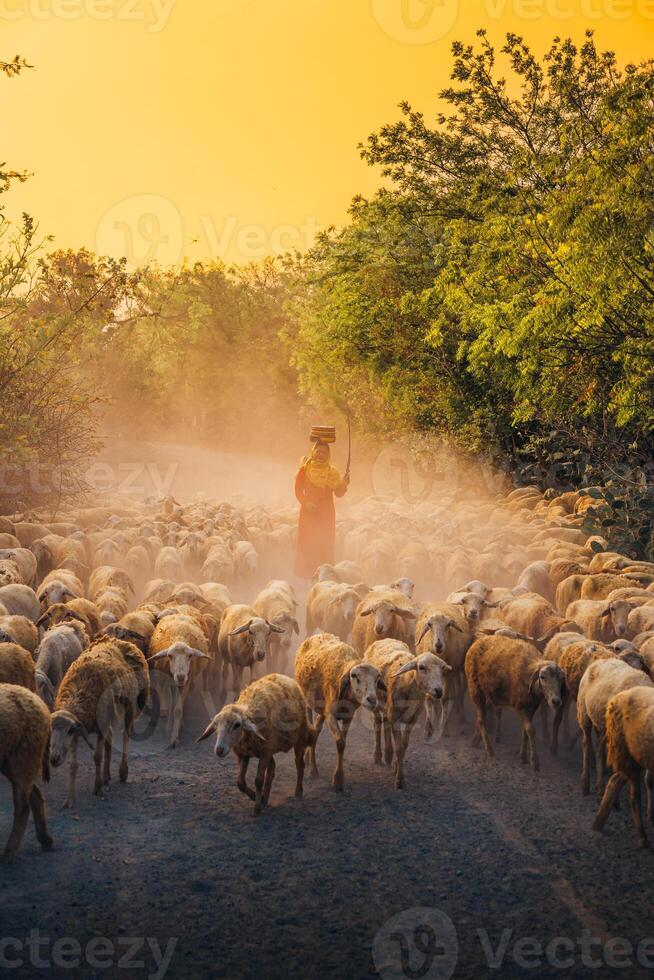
{"x": 316, "y": 484}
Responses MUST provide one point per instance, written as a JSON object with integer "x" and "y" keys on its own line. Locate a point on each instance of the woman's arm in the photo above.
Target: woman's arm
{"x": 342, "y": 489}
{"x": 299, "y": 485}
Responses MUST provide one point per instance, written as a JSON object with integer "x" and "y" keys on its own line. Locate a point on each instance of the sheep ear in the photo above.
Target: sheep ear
{"x": 426, "y": 628}
{"x": 198, "y": 653}
{"x": 367, "y": 612}
{"x": 443, "y": 664}
{"x": 344, "y": 685}
{"x": 455, "y": 626}
{"x": 605, "y": 612}
{"x": 249, "y": 726}
{"x": 209, "y": 730}
{"x": 412, "y": 665}
{"x": 81, "y": 730}
{"x": 69, "y": 594}
{"x": 381, "y": 685}
{"x": 274, "y": 628}
{"x": 405, "y": 613}
{"x": 489, "y": 605}
{"x": 535, "y": 679}
{"x": 43, "y": 619}
{"x": 159, "y": 656}
{"x": 296, "y": 628}
{"x": 240, "y": 629}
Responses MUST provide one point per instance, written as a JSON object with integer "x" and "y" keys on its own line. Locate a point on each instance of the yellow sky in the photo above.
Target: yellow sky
{"x": 228, "y": 128}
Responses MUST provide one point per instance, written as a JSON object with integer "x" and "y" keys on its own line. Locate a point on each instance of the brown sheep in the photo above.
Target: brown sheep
{"x": 16, "y": 666}
{"x": 601, "y": 585}
{"x": 533, "y": 615}
{"x": 109, "y": 682}
{"x": 604, "y": 620}
{"x": 409, "y": 680}
{"x": 602, "y": 680}
{"x": 178, "y": 651}
{"x": 442, "y": 629}
{"x": 277, "y": 604}
{"x": 630, "y": 751}
{"x": 331, "y": 608}
{"x": 568, "y": 591}
{"x": 335, "y": 683}
{"x": 270, "y": 716}
{"x": 503, "y": 672}
{"x": 24, "y": 755}
{"x": 20, "y": 630}
{"x": 82, "y": 610}
{"x": 243, "y": 641}
{"x": 382, "y": 616}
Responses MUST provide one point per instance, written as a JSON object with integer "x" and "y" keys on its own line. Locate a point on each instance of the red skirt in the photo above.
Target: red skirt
{"x": 317, "y": 526}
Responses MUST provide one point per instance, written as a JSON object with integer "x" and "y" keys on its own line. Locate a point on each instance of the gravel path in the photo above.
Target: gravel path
{"x": 474, "y": 869}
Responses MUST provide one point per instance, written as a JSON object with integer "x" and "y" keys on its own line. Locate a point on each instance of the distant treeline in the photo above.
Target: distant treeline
{"x": 496, "y": 293}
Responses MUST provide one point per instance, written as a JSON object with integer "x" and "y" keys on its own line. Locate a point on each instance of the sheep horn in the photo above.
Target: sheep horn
{"x": 209, "y": 730}
{"x": 426, "y": 629}
{"x": 240, "y": 629}
{"x": 198, "y": 653}
{"x": 159, "y": 656}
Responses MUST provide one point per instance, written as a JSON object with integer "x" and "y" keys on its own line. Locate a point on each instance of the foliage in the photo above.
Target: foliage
{"x": 624, "y": 516}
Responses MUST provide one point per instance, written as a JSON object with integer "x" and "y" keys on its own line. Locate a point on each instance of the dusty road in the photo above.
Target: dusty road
{"x": 175, "y": 876}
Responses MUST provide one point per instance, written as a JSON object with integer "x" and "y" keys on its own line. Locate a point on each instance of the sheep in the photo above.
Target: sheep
{"x": 59, "y": 586}
{"x": 24, "y": 561}
{"x": 408, "y": 680}
{"x": 246, "y": 562}
{"x": 270, "y": 716}
{"x": 136, "y": 627}
{"x": 630, "y": 750}
{"x": 405, "y": 585}
{"x": 18, "y": 629}
{"x": 380, "y": 616}
{"x": 602, "y": 619}
{"x": 218, "y": 566}
{"x": 24, "y": 755}
{"x": 599, "y": 586}
{"x": 16, "y": 666}
{"x": 112, "y": 604}
{"x": 178, "y": 648}
{"x": 276, "y": 604}
{"x": 243, "y": 641}
{"x": 157, "y": 590}
{"x": 600, "y": 682}
{"x": 533, "y": 615}
{"x": 641, "y": 620}
{"x": 568, "y": 591}
{"x": 217, "y": 595}
{"x": 474, "y": 606}
{"x": 442, "y": 629}
{"x": 503, "y": 672}
{"x": 82, "y": 610}
{"x": 10, "y": 573}
{"x": 335, "y": 683}
{"x": 536, "y": 578}
{"x": 346, "y": 572}
{"x": 169, "y": 565}
{"x": 108, "y": 683}
{"x": 19, "y": 600}
{"x": 106, "y": 577}
{"x": 331, "y": 608}
{"x": 58, "y": 649}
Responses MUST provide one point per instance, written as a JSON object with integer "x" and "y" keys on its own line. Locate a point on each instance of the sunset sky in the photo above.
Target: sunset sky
{"x": 229, "y": 128}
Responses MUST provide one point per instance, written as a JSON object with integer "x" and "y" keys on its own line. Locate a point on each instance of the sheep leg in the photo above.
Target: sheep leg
{"x": 340, "y": 739}
{"x": 460, "y": 682}
{"x": 244, "y": 762}
{"x": 178, "y": 716}
{"x": 649, "y": 783}
{"x": 528, "y": 738}
{"x": 268, "y": 780}
{"x": 400, "y": 747}
{"x": 123, "y": 769}
{"x": 299, "y": 768}
{"x": 545, "y": 723}
{"x": 559, "y": 715}
{"x": 106, "y": 775}
{"x": 587, "y": 742}
{"x": 377, "y": 757}
{"x": 482, "y": 731}
{"x": 614, "y": 785}
{"x": 446, "y": 711}
{"x": 21, "y": 816}
{"x": 430, "y": 723}
{"x": 636, "y": 810}
{"x": 259, "y": 784}
{"x": 97, "y": 758}
{"x": 37, "y": 806}
{"x": 72, "y": 774}
{"x": 599, "y": 763}
{"x": 498, "y": 724}
{"x": 312, "y": 748}
{"x": 237, "y": 675}
{"x": 388, "y": 743}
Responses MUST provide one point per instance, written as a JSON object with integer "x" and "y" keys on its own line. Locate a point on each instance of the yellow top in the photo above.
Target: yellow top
{"x": 321, "y": 474}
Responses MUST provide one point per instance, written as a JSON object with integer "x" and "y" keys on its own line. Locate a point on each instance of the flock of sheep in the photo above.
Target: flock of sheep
{"x": 119, "y": 609}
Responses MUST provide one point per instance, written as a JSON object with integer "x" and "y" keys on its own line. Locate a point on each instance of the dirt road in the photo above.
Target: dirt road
{"x": 172, "y": 869}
